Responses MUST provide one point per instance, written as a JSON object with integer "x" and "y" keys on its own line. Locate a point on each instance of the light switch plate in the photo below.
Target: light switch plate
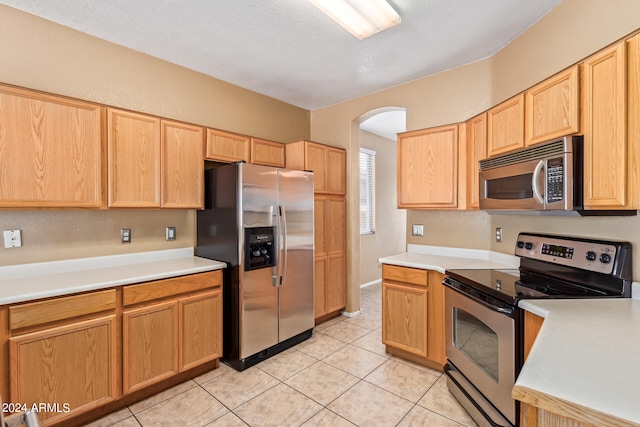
{"x": 417, "y": 230}
{"x": 12, "y": 239}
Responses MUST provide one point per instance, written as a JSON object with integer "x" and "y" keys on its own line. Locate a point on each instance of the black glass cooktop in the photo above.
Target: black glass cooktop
{"x": 510, "y": 285}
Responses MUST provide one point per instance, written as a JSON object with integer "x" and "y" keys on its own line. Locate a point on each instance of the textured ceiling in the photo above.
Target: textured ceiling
{"x": 289, "y": 50}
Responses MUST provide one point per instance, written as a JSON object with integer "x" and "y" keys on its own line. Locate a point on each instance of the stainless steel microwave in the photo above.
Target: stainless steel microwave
{"x": 544, "y": 177}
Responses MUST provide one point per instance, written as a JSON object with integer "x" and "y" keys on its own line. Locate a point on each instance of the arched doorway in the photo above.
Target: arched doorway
{"x": 387, "y": 236}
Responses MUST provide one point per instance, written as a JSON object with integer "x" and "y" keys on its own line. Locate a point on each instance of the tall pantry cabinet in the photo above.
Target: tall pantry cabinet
{"x": 329, "y": 167}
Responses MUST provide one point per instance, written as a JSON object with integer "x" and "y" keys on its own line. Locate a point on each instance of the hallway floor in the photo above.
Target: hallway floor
{"x": 341, "y": 376}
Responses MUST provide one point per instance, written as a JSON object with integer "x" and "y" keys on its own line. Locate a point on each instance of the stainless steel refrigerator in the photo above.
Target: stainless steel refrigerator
{"x": 259, "y": 220}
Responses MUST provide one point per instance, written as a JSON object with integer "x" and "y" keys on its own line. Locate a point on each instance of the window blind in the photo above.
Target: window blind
{"x": 367, "y": 191}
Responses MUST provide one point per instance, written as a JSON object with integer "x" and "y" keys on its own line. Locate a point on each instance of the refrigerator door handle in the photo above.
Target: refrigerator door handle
{"x": 283, "y": 247}
{"x": 276, "y": 271}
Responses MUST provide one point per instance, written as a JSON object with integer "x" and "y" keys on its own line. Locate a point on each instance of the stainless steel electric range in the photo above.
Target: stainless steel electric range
{"x": 483, "y": 324}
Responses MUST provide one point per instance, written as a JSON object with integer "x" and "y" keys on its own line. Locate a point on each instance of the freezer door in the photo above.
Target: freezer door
{"x": 259, "y": 297}
{"x": 297, "y": 290}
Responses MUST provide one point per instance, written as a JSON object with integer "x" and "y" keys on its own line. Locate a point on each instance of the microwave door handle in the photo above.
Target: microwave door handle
{"x": 534, "y": 181}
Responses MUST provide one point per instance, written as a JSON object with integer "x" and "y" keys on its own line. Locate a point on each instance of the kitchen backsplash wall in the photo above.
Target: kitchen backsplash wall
{"x": 608, "y": 228}
{"x": 460, "y": 229}
{"x": 50, "y": 235}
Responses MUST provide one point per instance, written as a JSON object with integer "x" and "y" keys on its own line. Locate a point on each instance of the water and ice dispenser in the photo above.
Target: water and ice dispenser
{"x": 260, "y": 251}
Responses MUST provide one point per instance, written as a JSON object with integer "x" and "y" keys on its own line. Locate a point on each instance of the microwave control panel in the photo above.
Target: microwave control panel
{"x": 555, "y": 180}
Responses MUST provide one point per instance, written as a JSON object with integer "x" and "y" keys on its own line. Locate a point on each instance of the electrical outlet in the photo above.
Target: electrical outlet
{"x": 125, "y": 235}
{"x": 417, "y": 230}
{"x": 170, "y": 233}
{"x": 499, "y": 234}
{"x": 12, "y": 239}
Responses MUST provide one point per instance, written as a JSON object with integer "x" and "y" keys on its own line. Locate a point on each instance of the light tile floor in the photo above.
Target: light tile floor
{"x": 341, "y": 376}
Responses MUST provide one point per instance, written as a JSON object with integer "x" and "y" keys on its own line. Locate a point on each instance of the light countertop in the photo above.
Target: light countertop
{"x": 26, "y": 282}
{"x": 442, "y": 258}
{"x": 585, "y": 362}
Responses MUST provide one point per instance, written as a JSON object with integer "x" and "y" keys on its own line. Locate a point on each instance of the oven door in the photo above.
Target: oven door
{"x": 514, "y": 187}
{"x": 481, "y": 342}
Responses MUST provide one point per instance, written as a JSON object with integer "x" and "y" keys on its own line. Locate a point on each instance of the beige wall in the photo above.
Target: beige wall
{"x": 38, "y": 54}
{"x": 570, "y": 32}
{"x": 389, "y": 237}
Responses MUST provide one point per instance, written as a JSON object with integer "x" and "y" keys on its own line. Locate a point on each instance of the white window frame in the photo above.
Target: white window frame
{"x": 367, "y": 191}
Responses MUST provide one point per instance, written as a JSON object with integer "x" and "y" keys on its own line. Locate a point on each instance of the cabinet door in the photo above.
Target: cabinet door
{"x": 320, "y": 286}
{"x": 134, "y": 159}
{"x": 76, "y": 364}
{"x": 315, "y": 160}
{"x": 476, "y": 151}
{"x": 336, "y": 289}
{"x": 182, "y": 165}
{"x": 435, "y": 318}
{"x": 336, "y": 171}
{"x": 267, "y": 153}
{"x": 50, "y": 151}
{"x": 404, "y": 317}
{"x": 319, "y": 229}
{"x": 150, "y": 344}
{"x": 200, "y": 329}
{"x": 605, "y": 146}
{"x": 428, "y": 168}
{"x": 532, "y": 325}
{"x": 227, "y": 147}
{"x": 552, "y": 107}
{"x": 335, "y": 225}
{"x": 505, "y": 126}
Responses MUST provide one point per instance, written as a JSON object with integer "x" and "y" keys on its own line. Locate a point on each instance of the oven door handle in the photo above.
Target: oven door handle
{"x": 507, "y": 311}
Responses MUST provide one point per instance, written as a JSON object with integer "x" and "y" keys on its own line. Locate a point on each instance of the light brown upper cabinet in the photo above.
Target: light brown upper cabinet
{"x": 552, "y": 106}
{"x": 611, "y": 151}
{"x": 428, "y": 168}
{"x": 476, "y": 151}
{"x": 505, "y": 126}
{"x": 134, "y": 159}
{"x": 51, "y": 151}
{"x": 267, "y": 153}
{"x": 327, "y": 163}
{"x": 182, "y": 165}
{"x": 227, "y": 147}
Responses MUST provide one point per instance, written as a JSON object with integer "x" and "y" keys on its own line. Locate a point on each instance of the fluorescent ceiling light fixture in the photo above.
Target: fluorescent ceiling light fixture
{"x": 362, "y": 18}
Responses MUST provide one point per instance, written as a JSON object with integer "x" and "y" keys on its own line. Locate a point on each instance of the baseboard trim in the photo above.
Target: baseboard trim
{"x": 373, "y": 282}
{"x": 351, "y": 314}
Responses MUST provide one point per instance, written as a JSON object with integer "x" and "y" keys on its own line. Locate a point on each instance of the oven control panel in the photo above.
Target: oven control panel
{"x": 592, "y": 255}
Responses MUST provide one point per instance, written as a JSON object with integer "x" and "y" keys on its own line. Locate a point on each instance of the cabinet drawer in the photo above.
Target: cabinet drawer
{"x": 41, "y": 312}
{"x": 414, "y": 276}
{"x": 150, "y": 291}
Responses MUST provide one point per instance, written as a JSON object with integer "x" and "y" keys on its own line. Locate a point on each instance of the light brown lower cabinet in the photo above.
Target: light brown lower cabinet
{"x": 200, "y": 327}
{"x": 73, "y": 368}
{"x": 165, "y": 336}
{"x": 413, "y": 314}
{"x": 80, "y": 352}
{"x": 149, "y": 350}
{"x": 533, "y": 416}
